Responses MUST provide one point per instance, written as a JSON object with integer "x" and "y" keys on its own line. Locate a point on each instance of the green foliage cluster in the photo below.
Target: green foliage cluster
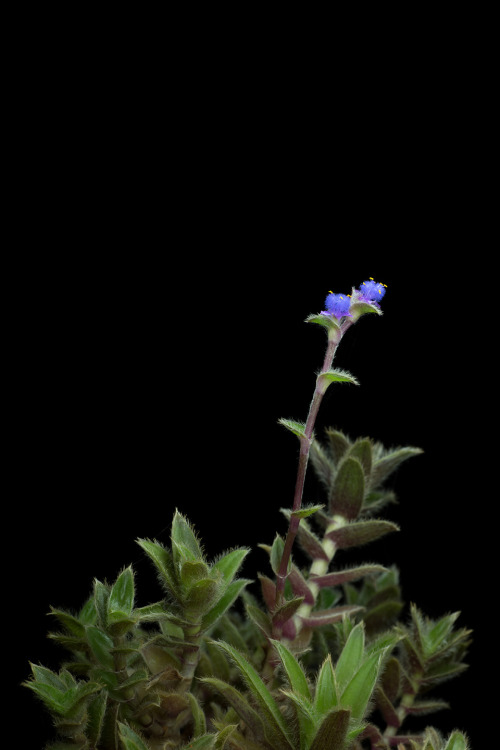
{"x": 319, "y": 658}
{"x": 193, "y": 671}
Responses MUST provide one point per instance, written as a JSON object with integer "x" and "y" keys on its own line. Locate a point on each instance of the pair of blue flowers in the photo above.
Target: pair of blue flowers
{"x": 338, "y": 304}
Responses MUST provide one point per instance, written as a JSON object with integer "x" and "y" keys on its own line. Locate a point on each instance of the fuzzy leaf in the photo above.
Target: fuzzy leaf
{"x": 305, "y": 716}
{"x": 333, "y": 730}
{"x": 130, "y": 739}
{"x": 101, "y": 596}
{"x": 286, "y": 611}
{"x": 184, "y": 542}
{"x": 206, "y": 742}
{"x": 338, "y": 444}
{"x": 351, "y": 656}
{"x": 230, "y": 563}
{"x": 163, "y": 562}
{"x": 384, "y": 466}
{"x": 386, "y": 708}
{"x": 327, "y": 321}
{"x": 359, "y": 690}
{"x": 337, "y": 577}
{"x": 322, "y": 464}
{"x": 325, "y": 694}
{"x": 70, "y": 622}
{"x": 240, "y": 705}
{"x": 298, "y": 428}
{"x": 346, "y": 498}
{"x": 276, "y": 553}
{"x": 268, "y": 591}
{"x": 308, "y": 541}
{"x": 96, "y": 713}
{"x": 260, "y": 618}
{"x": 101, "y": 645}
{"x": 199, "y": 721}
{"x": 306, "y": 511}
{"x": 228, "y": 598}
{"x": 335, "y": 376}
{"x": 328, "y": 616}
{"x": 456, "y": 741}
{"x": 200, "y": 597}
{"x": 358, "y": 533}
{"x": 121, "y": 597}
{"x": 294, "y": 672}
{"x": 363, "y": 451}
{"x": 299, "y": 585}
{"x": 268, "y": 706}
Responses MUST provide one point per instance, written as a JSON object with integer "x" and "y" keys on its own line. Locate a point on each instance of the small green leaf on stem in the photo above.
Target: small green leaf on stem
{"x": 298, "y": 428}
{"x": 335, "y": 376}
{"x": 306, "y": 511}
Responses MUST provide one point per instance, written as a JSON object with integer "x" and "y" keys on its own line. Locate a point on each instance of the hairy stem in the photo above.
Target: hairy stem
{"x": 334, "y": 338}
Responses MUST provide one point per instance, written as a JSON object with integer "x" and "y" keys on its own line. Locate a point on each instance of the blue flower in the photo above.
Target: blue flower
{"x": 370, "y": 291}
{"x": 338, "y": 305}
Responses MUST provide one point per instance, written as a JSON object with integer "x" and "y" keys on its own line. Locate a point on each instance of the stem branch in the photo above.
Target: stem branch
{"x": 334, "y": 338}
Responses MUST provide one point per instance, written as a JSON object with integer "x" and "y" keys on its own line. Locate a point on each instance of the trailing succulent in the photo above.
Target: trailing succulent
{"x": 319, "y": 659}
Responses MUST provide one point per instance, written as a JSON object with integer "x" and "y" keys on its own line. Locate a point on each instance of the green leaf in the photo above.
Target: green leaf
{"x": 334, "y": 376}
{"x": 199, "y": 721}
{"x": 306, "y": 511}
{"x": 206, "y": 742}
{"x": 130, "y": 739}
{"x": 184, "y": 542}
{"x": 150, "y": 612}
{"x": 294, "y": 672}
{"x": 359, "y": 690}
{"x": 287, "y": 610}
{"x": 456, "y": 741}
{"x": 363, "y": 451}
{"x": 351, "y": 656}
{"x": 358, "y": 533}
{"x": 317, "y": 618}
{"x": 261, "y": 694}
{"x": 223, "y": 735}
{"x": 121, "y": 597}
{"x": 88, "y": 613}
{"x": 338, "y": 577}
{"x": 385, "y": 465}
{"x": 230, "y": 563}
{"x": 101, "y": 596}
{"x": 96, "y": 713}
{"x": 240, "y": 705}
{"x": 200, "y": 598}
{"x": 325, "y": 695}
{"x": 338, "y": 443}
{"x": 260, "y": 618}
{"x": 277, "y": 554}
{"x": 327, "y": 321}
{"x": 346, "y": 498}
{"x": 71, "y": 623}
{"x": 298, "y": 428}
{"x": 305, "y": 716}
{"x": 51, "y": 696}
{"x": 333, "y": 730}
{"x": 101, "y": 645}
{"x": 229, "y": 596}
{"x": 361, "y": 308}
{"x": 163, "y": 562}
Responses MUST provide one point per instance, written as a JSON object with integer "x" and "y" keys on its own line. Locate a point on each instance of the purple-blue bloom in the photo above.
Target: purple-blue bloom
{"x": 371, "y": 291}
{"x": 338, "y": 304}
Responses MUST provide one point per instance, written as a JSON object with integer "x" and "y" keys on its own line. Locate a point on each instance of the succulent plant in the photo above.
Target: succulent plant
{"x": 316, "y": 657}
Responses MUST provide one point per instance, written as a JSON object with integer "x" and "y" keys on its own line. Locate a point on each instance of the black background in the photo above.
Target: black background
{"x": 167, "y": 251}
